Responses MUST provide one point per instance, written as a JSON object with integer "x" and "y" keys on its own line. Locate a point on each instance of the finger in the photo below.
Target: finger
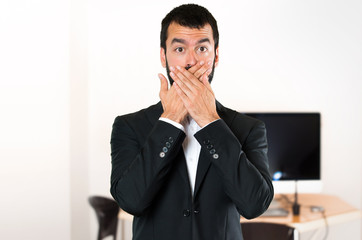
{"x": 184, "y": 84}
{"x": 181, "y": 94}
{"x": 196, "y": 67}
{"x": 203, "y": 69}
{"x": 164, "y": 84}
{"x": 186, "y": 77}
{"x": 205, "y": 80}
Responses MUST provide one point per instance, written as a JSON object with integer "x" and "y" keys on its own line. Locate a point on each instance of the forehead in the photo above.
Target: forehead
{"x": 189, "y": 34}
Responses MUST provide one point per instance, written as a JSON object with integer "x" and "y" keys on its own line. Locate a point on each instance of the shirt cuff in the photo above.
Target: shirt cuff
{"x": 175, "y": 124}
{"x": 210, "y": 123}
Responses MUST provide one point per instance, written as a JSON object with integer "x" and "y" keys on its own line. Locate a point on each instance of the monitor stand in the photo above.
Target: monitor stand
{"x": 296, "y": 205}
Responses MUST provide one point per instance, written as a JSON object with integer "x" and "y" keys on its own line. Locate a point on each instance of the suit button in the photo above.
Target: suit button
{"x": 186, "y": 213}
{"x": 212, "y": 151}
{"x": 162, "y": 154}
{"x": 215, "y": 156}
{"x": 170, "y": 139}
{"x": 209, "y": 146}
{"x": 196, "y": 211}
{"x": 165, "y": 149}
{"x": 206, "y": 142}
{"x": 168, "y": 144}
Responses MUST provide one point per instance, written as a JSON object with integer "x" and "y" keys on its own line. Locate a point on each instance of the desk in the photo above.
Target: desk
{"x": 336, "y": 211}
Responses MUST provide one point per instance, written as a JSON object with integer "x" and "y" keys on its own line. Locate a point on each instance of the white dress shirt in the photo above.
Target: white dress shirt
{"x": 190, "y": 146}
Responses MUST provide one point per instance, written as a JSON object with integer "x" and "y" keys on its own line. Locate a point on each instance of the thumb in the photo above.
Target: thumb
{"x": 164, "y": 85}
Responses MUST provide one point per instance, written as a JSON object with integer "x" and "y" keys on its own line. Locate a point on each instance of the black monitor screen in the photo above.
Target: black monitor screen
{"x": 293, "y": 144}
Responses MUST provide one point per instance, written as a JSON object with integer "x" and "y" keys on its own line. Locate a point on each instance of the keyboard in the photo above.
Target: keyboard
{"x": 275, "y": 212}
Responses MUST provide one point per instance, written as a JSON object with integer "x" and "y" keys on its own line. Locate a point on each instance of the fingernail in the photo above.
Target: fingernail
{"x": 172, "y": 74}
{"x": 159, "y": 76}
{"x": 201, "y": 63}
{"x": 178, "y": 67}
{"x": 209, "y": 63}
{"x": 172, "y": 68}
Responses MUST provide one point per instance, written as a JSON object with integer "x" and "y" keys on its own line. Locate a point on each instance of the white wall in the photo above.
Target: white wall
{"x": 68, "y": 68}
{"x": 34, "y": 122}
{"x": 81, "y": 212}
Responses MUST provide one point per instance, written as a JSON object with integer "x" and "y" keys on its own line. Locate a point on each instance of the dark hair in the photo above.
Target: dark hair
{"x": 192, "y": 16}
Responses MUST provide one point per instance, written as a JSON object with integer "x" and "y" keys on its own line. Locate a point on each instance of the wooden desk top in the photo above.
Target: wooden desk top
{"x": 336, "y": 211}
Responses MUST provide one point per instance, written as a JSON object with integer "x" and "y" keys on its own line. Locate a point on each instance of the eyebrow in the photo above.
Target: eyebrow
{"x": 183, "y": 41}
{"x": 178, "y": 40}
{"x": 204, "y": 40}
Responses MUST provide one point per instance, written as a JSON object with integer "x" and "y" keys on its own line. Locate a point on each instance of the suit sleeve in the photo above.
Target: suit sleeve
{"x": 242, "y": 169}
{"x": 140, "y": 168}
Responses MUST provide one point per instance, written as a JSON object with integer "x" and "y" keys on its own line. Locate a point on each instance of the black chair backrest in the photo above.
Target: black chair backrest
{"x": 107, "y": 215}
{"x": 266, "y": 231}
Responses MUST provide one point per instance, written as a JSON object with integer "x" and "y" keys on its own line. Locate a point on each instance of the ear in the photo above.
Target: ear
{"x": 163, "y": 57}
{"x": 216, "y": 56}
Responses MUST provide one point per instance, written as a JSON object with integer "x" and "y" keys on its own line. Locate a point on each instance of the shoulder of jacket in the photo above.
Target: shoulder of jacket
{"x": 235, "y": 118}
{"x": 140, "y": 115}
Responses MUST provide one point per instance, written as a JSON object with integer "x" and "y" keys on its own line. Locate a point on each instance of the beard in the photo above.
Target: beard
{"x": 211, "y": 75}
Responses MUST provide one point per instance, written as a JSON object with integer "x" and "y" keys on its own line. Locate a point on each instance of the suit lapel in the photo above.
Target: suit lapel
{"x": 202, "y": 167}
{"x": 182, "y": 167}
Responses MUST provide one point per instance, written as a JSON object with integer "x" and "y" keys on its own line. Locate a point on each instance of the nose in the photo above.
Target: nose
{"x": 191, "y": 59}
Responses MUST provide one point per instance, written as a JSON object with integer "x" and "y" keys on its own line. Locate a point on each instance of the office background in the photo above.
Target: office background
{"x": 68, "y": 68}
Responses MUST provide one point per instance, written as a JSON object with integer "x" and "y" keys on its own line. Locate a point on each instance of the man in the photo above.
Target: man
{"x": 188, "y": 167}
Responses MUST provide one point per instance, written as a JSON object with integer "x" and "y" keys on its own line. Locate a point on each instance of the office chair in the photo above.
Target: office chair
{"x": 107, "y": 215}
{"x": 268, "y": 231}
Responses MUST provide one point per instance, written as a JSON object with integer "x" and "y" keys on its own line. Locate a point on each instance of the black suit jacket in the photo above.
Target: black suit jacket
{"x": 150, "y": 180}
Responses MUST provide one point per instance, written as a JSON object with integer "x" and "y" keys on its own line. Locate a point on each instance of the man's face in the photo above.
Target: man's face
{"x": 186, "y": 46}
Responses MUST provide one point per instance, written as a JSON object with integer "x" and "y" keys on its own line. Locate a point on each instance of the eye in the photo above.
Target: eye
{"x": 202, "y": 49}
{"x": 179, "y": 49}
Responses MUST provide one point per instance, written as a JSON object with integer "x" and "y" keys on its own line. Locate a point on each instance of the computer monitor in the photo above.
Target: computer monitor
{"x": 294, "y": 150}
